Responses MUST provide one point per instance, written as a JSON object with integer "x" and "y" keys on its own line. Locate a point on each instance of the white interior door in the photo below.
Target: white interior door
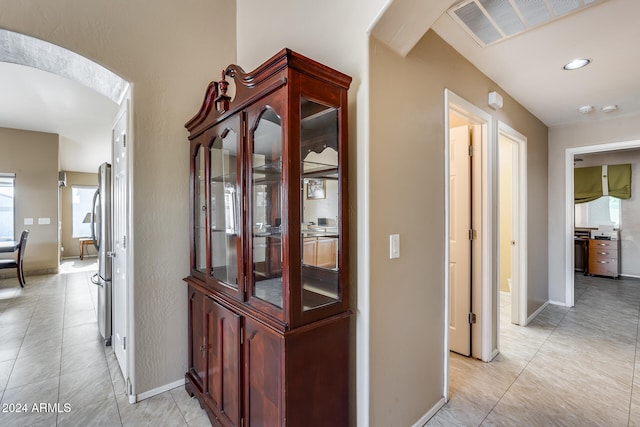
{"x": 459, "y": 244}
{"x": 515, "y": 244}
{"x": 120, "y": 239}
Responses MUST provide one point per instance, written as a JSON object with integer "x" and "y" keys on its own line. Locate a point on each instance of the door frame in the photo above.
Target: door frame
{"x": 485, "y": 331}
{"x": 569, "y": 206}
{"x": 519, "y": 208}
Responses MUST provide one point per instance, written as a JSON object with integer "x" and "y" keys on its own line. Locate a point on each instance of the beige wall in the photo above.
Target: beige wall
{"x": 170, "y": 51}
{"x": 407, "y": 181}
{"x": 33, "y": 157}
{"x": 333, "y": 32}
{"x": 70, "y": 243}
{"x": 561, "y": 138}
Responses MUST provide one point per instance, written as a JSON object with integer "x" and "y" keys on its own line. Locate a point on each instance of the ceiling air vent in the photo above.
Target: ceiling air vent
{"x": 491, "y": 21}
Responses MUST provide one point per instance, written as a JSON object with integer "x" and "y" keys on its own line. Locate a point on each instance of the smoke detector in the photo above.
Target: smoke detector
{"x": 585, "y": 109}
{"x": 609, "y": 108}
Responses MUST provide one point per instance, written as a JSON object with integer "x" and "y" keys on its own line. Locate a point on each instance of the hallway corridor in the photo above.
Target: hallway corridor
{"x": 569, "y": 367}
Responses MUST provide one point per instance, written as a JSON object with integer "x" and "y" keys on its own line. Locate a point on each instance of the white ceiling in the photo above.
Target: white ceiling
{"x": 528, "y": 67}
{"x": 41, "y": 101}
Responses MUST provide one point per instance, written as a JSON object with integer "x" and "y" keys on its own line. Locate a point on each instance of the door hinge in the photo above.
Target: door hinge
{"x": 470, "y": 150}
{"x": 124, "y": 343}
{"x": 241, "y": 335}
{"x": 472, "y": 234}
{"x": 124, "y": 140}
{"x": 124, "y": 242}
{"x": 472, "y": 318}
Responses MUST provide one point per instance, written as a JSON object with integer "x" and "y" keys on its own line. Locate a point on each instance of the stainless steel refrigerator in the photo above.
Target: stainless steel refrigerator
{"x": 101, "y": 233}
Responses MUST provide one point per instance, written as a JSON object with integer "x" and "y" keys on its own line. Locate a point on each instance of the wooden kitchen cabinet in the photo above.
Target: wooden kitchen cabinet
{"x": 320, "y": 252}
{"x": 268, "y": 289}
{"x": 604, "y": 257}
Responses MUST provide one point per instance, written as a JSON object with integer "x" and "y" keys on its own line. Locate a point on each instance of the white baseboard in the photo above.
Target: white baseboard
{"x": 494, "y": 353}
{"x": 635, "y": 276}
{"x": 538, "y": 311}
{"x": 426, "y": 417}
{"x": 562, "y": 304}
{"x": 156, "y": 391}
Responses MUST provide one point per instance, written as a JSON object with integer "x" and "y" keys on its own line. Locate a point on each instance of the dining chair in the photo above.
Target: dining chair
{"x": 17, "y": 263}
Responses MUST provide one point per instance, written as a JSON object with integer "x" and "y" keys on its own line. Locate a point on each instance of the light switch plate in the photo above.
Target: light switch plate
{"x": 28, "y": 221}
{"x": 394, "y": 246}
{"x": 44, "y": 221}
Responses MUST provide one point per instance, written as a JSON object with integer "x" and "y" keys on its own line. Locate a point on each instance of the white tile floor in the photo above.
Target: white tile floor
{"x": 51, "y": 353}
{"x": 568, "y": 367}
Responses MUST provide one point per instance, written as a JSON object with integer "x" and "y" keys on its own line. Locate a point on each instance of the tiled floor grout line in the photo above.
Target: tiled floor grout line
{"x": 16, "y": 358}
{"x": 526, "y": 365}
{"x": 115, "y": 395}
{"x": 105, "y": 349}
{"x": 64, "y": 309}
{"x": 179, "y": 409}
{"x": 633, "y": 376}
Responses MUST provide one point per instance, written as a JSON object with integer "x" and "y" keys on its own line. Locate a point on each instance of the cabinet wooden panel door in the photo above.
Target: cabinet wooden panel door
{"x": 197, "y": 339}
{"x": 262, "y": 375}
{"x": 309, "y": 255}
{"x": 223, "y": 373}
{"x": 327, "y": 248}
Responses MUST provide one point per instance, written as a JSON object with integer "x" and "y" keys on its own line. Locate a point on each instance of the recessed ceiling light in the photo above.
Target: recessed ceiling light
{"x": 577, "y": 63}
{"x": 609, "y": 108}
{"x": 586, "y": 109}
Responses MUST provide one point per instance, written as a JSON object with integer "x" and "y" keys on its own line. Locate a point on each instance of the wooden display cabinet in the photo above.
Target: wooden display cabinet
{"x": 268, "y": 292}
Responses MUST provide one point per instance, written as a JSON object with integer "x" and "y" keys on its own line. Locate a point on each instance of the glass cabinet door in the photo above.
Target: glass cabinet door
{"x": 320, "y": 205}
{"x": 266, "y": 208}
{"x": 226, "y": 206}
{"x": 200, "y": 213}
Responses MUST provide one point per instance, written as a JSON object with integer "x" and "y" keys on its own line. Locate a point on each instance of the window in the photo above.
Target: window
{"x": 82, "y": 205}
{"x": 602, "y": 211}
{"x": 7, "y": 211}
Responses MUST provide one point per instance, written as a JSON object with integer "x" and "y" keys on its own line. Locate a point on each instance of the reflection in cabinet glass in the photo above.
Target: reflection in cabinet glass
{"x": 266, "y": 196}
{"x": 200, "y": 214}
{"x": 320, "y": 215}
{"x": 226, "y": 194}
{"x": 269, "y": 309}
